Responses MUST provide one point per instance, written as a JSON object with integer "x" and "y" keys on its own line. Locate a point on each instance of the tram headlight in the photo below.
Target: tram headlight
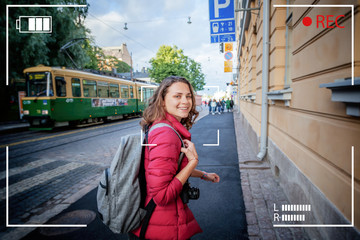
{"x": 45, "y": 112}
{"x": 26, "y": 112}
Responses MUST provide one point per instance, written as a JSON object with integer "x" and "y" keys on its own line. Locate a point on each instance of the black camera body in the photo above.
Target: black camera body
{"x": 189, "y": 192}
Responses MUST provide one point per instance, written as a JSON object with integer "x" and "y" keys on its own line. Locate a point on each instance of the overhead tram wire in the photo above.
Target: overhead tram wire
{"x": 146, "y": 21}
{"x": 121, "y": 33}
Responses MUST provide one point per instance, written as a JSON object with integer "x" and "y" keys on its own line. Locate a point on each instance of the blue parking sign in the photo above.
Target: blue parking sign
{"x": 214, "y": 38}
{"x": 222, "y": 21}
{"x": 222, "y": 38}
{"x": 221, "y": 27}
{"x": 221, "y": 9}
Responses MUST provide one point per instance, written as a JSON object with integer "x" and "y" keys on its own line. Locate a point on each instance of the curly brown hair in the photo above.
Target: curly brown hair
{"x": 155, "y": 111}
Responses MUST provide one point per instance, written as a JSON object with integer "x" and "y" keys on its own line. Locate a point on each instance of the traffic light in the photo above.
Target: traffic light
{"x": 221, "y": 47}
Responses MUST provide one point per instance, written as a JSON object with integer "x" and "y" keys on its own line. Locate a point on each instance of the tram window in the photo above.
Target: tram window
{"x": 114, "y": 90}
{"x": 75, "y": 86}
{"x": 89, "y": 88}
{"x": 103, "y": 89}
{"x": 139, "y": 93}
{"x": 124, "y": 91}
{"x": 147, "y": 94}
{"x": 131, "y": 92}
{"x": 60, "y": 87}
{"x": 36, "y": 84}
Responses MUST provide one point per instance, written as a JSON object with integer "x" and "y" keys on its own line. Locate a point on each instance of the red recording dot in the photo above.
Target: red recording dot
{"x": 307, "y": 21}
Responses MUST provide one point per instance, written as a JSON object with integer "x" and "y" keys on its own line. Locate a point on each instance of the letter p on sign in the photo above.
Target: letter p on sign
{"x": 221, "y": 9}
{"x": 218, "y": 5}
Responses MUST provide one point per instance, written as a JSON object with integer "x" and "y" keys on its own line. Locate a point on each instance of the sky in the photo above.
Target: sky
{"x": 155, "y": 23}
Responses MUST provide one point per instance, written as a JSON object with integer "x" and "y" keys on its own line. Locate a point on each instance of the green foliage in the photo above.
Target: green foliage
{"x": 95, "y": 54}
{"x": 31, "y": 49}
{"x": 121, "y": 67}
{"x": 172, "y": 61}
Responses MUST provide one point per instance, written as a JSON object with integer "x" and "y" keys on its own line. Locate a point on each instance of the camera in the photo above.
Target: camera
{"x": 189, "y": 192}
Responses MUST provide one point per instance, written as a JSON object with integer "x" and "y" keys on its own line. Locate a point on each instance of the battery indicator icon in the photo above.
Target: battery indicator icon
{"x": 34, "y": 24}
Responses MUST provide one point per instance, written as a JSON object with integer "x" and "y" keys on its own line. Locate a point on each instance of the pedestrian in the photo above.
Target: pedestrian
{"x": 173, "y": 103}
{"x": 228, "y": 104}
{"x": 231, "y": 104}
{"x": 218, "y": 105}
{"x": 222, "y": 105}
{"x": 209, "y": 106}
{"x": 213, "y": 106}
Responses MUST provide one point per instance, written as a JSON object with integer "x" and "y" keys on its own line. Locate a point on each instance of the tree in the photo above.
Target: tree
{"x": 172, "y": 61}
{"x": 94, "y": 53}
{"x": 120, "y": 66}
{"x": 31, "y": 49}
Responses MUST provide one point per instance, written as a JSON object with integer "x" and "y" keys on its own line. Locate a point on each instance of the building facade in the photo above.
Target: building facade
{"x": 307, "y": 71}
{"x": 121, "y": 53}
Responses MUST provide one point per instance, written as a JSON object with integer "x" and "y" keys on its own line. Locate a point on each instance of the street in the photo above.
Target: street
{"x": 46, "y": 169}
{"x": 69, "y": 168}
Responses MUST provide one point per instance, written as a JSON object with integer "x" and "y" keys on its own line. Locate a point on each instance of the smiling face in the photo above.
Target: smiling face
{"x": 178, "y": 100}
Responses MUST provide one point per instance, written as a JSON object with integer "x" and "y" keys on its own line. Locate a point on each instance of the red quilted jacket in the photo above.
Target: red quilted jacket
{"x": 171, "y": 218}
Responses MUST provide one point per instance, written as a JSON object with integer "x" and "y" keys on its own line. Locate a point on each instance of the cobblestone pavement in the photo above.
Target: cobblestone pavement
{"x": 52, "y": 172}
{"x": 261, "y": 191}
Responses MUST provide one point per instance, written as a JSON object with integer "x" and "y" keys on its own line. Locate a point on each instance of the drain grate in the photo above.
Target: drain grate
{"x": 74, "y": 217}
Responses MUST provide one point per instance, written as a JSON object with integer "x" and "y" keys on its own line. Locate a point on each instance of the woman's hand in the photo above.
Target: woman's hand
{"x": 190, "y": 151}
{"x": 213, "y": 177}
{"x": 192, "y": 156}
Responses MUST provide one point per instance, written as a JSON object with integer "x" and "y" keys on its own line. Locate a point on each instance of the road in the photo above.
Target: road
{"x": 50, "y": 168}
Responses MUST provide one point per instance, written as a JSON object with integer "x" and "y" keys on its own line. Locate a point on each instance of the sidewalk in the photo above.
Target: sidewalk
{"x": 261, "y": 191}
{"x": 13, "y": 126}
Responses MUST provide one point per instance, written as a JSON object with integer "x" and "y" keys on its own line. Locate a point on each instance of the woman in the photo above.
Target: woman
{"x": 213, "y": 106}
{"x": 173, "y": 103}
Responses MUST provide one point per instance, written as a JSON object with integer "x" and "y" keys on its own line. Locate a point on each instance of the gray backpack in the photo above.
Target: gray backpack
{"x": 122, "y": 188}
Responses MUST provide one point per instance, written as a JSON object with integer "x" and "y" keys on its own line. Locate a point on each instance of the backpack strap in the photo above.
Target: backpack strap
{"x": 150, "y": 207}
{"x": 181, "y": 156}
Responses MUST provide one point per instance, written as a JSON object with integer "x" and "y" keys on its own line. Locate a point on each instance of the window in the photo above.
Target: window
{"x": 103, "y": 89}
{"x": 147, "y": 93}
{"x": 36, "y": 84}
{"x": 124, "y": 91}
{"x": 114, "y": 90}
{"x": 89, "y": 88}
{"x": 131, "y": 92}
{"x": 60, "y": 86}
{"x": 75, "y": 87}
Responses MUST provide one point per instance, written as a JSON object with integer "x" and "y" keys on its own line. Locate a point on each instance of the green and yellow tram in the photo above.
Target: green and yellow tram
{"x": 58, "y": 96}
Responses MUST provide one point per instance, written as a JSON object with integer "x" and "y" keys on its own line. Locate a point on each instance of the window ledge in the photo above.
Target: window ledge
{"x": 343, "y": 91}
{"x": 280, "y": 95}
{"x": 248, "y": 97}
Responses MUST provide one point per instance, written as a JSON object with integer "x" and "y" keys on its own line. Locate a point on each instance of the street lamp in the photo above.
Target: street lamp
{"x": 189, "y": 21}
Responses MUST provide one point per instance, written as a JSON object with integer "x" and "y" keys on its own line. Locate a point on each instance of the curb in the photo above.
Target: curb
{"x": 12, "y": 128}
